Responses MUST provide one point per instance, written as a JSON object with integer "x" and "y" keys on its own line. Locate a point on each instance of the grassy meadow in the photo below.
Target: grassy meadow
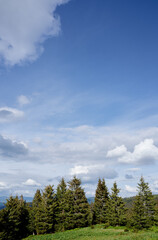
{"x": 99, "y": 233}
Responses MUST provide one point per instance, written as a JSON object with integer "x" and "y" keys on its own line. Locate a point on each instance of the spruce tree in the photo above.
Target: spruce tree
{"x": 49, "y": 206}
{"x": 101, "y": 202}
{"x": 36, "y": 214}
{"x": 24, "y": 217}
{"x": 77, "y": 205}
{"x": 156, "y": 213}
{"x": 61, "y": 206}
{"x": 15, "y": 219}
{"x": 144, "y": 206}
{"x": 3, "y": 224}
{"x": 116, "y": 210}
{"x": 69, "y": 210}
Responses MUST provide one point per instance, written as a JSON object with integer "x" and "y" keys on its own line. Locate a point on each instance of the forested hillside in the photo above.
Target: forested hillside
{"x": 67, "y": 208}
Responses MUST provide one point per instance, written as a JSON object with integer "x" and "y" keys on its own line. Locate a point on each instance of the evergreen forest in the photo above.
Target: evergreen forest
{"x": 67, "y": 208}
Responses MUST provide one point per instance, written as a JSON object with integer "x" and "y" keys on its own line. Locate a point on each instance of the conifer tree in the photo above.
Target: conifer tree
{"x": 116, "y": 210}
{"x": 156, "y": 213}
{"x": 77, "y": 205}
{"x": 49, "y": 206}
{"x": 143, "y": 209}
{"x": 24, "y": 217}
{"x": 69, "y": 210}
{"x": 3, "y": 224}
{"x": 101, "y": 202}
{"x": 61, "y": 206}
{"x": 36, "y": 214}
{"x": 15, "y": 219}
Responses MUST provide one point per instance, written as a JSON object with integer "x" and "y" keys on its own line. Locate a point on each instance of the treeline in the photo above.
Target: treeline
{"x": 68, "y": 208}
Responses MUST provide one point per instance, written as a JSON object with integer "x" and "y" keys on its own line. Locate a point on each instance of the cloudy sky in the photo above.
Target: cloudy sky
{"x": 78, "y": 93}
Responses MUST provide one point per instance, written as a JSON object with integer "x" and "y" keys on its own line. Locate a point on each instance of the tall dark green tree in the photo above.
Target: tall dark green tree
{"x": 116, "y": 210}
{"x": 36, "y": 214}
{"x": 61, "y": 206}
{"x": 77, "y": 205}
{"x": 49, "y": 205}
{"x": 156, "y": 213}
{"x": 101, "y": 202}
{"x": 15, "y": 219}
{"x": 3, "y": 224}
{"x": 144, "y": 206}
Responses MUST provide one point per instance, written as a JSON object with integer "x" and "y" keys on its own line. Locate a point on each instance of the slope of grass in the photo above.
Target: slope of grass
{"x": 99, "y": 233}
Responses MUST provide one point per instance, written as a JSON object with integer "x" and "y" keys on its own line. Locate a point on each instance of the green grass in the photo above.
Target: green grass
{"x": 99, "y": 233}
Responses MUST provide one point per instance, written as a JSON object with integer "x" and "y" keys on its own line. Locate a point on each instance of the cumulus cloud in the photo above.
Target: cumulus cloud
{"x": 130, "y": 189}
{"x": 80, "y": 170}
{"x": 23, "y": 100}
{"x": 118, "y": 151}
{"x": 24, "y": 26}
{"x": 31, "y": 182}
{"x": 90, "y": 173}
{"x": 12, "y": 148}
{"x": 10, "y": 114}
{"x": 144, "y": 153}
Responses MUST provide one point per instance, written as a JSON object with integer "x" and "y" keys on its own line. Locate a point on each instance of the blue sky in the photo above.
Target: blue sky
{"x": 78, "y": 93}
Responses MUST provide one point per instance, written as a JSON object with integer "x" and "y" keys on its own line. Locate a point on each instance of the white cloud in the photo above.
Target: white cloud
{"x": 91, "y": 173}
{"x": 144, "y": 153}
{"x": 80, "y": 170}
{"x": 130, "y": 189}
{"x": 81, "y": 151}
{"x": 3, "y": 185}
{"x": 23, "y": 100}
{"x": 31, "y": 182}
{"x": 118, "y": 151}
{"x": 87, "y": 145}
{"x": 24, "y": 26}
{"x": 10, "y": 114}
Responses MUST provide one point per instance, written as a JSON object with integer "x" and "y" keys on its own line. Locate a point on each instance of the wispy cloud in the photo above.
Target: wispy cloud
{"x": 24, "y": 26}
{"x": 23, "y": 100}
